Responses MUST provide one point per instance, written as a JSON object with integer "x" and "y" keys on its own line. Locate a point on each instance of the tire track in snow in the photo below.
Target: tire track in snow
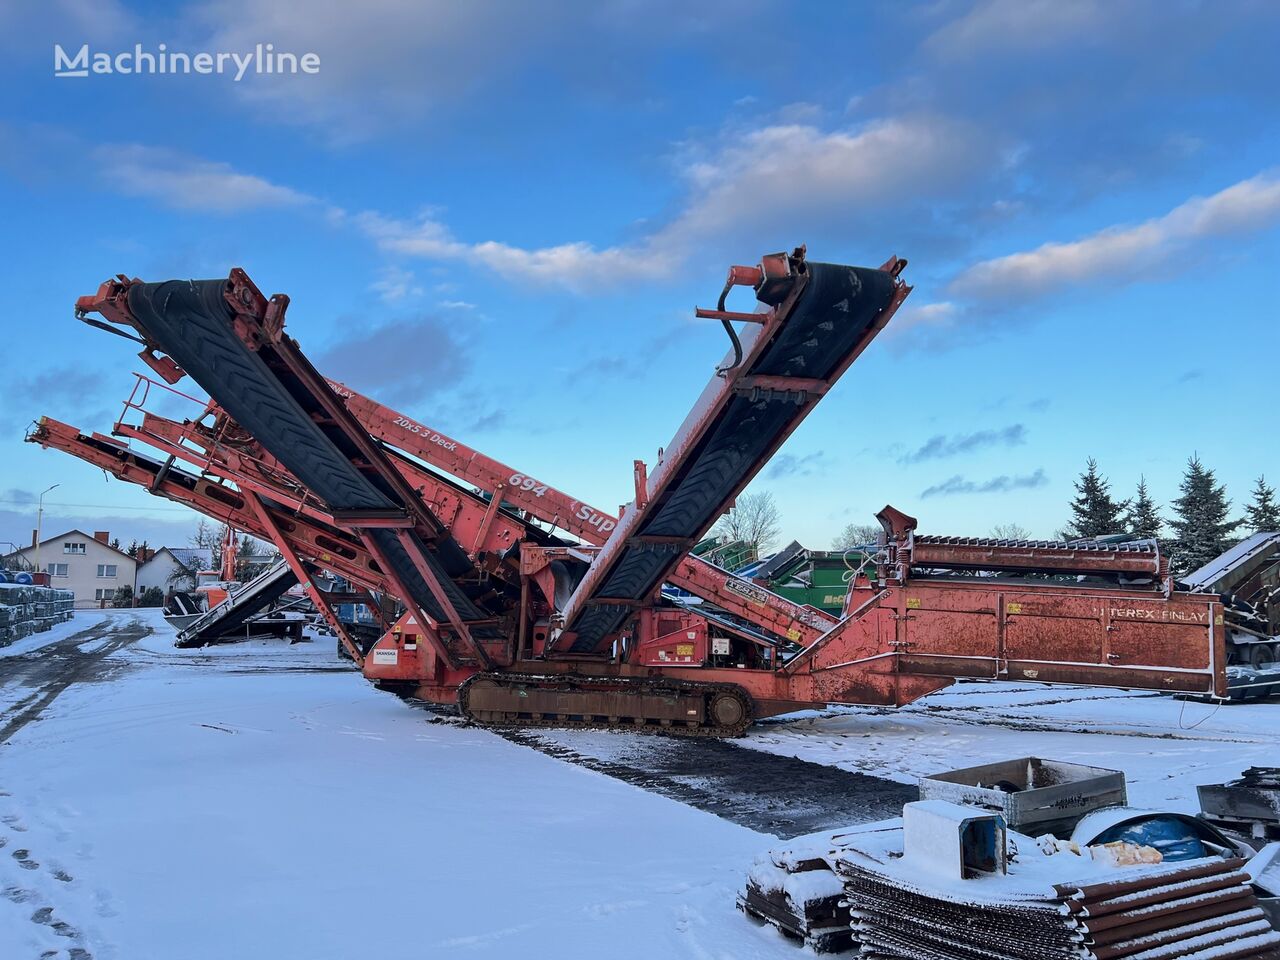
{"x": 52, "y": 669}
{"x": 766, "y": 792}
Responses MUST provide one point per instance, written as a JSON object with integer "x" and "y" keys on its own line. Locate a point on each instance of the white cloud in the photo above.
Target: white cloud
{"x": 188, "y": 183}
{"x": 913, "y": 319}
{"x": 795, "y": 174}
{"x": 801, "y": 172}
{"x": 1122, "y": 251}
{"x": 1022, "y": 26}
{"x": 395, "y": 285}
{"x": 573, "y": 265}
{"x": 388, "y": 59}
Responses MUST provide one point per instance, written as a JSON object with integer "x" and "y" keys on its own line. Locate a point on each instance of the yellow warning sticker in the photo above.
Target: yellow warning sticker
{"x": 913, "y": 603}
{"x": 684, "y": 649}
{"x": 793, "y": 634}
{"x": 1013, "y": 608}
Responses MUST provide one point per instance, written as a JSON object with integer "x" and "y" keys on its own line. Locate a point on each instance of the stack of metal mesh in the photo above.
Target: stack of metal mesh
{"x": 1201, "y": 909}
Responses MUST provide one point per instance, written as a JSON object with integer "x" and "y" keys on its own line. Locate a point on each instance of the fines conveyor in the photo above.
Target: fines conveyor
{"x": 822, "y": 317}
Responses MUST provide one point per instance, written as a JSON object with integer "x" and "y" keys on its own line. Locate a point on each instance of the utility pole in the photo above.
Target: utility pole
{"x": 39, "y": 519}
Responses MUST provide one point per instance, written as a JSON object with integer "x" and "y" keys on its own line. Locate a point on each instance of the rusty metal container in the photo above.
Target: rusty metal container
{"x": 1035, "y": 796}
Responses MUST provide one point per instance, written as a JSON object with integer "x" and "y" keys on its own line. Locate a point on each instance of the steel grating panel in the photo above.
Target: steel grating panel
{"x": 191, "y": 321}
{"x": 1198, "y": 908}
{"x": 834, "y": 312}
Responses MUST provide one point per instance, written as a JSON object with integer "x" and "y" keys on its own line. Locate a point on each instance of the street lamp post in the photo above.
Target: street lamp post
{"x": 39, "y": 519}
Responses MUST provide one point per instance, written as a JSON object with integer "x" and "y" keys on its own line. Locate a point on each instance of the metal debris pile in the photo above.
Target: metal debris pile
{"x": 1086, "y": 879}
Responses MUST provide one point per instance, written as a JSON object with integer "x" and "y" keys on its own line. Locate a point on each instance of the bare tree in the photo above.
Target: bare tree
{"x": 208, "y": 535}
{"x": 856, "y": 535}
{"x": 1010, "y": 531}
{"x": 754, "y": 518}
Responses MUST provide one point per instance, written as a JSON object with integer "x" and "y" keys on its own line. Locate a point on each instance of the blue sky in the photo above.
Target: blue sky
{"x": 499, "y": 217}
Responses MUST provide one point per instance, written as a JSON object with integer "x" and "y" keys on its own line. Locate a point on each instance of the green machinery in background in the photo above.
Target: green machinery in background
{"x": 819, "y": 578}
{"x": 730, "y": 555}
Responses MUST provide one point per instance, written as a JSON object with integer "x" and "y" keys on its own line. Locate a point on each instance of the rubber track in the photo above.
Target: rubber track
{"x": 837, "y": 306}
{"x": 652, "y": 687}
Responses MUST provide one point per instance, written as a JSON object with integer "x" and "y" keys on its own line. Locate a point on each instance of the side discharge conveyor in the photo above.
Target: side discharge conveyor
{"x": 517, "y": 624}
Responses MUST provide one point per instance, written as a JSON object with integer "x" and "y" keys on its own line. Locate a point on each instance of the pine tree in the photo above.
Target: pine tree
{"x": 1262, "y": 515}
{"x": 1143, "y": 517}
{"x": 1093, "y": 512}
{"x": 1200, "y": 525}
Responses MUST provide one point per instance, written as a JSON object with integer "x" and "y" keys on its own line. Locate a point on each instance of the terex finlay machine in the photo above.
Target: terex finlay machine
{"x": 523, "y": 605}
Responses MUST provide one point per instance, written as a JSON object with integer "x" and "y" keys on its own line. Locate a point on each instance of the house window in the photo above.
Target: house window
{"x": 107, "y": 570}
{"x": 56, "y": 569}
{"x": 73, "y": 547}
{"x": 104, "y": 593}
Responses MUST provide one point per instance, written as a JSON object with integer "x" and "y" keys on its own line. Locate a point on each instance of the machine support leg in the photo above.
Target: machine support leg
{"x": 304, "y": 577}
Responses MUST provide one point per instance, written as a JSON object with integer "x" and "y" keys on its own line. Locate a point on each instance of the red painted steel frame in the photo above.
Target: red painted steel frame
{"x": 702, "y": 579}
{"x": 252, "y": 475}
{"x": 486, "y": 534}
{"x": 901, "y": 638}
{"x": 296, "y": 538}
{"x": 909, "y": 639}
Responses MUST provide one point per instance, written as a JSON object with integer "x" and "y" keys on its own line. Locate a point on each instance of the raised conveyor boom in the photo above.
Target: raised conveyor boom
{"x": 823, "y": 316}
{"x": 228, "y": 337}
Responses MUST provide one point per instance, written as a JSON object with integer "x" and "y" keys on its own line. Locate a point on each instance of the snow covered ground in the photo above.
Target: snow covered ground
{"x": 263, "y": 801}
{"x": 1165, "y": 746}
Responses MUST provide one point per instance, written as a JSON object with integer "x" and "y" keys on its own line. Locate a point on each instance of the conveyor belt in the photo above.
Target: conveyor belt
{"x": 1225, "y": 573}
{"x": 827, "y": 325}
{"x": 246, "y": 602}
{"x": 191, "y": 321}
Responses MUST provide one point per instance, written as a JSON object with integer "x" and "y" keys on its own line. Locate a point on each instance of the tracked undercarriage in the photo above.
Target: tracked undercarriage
{"x": 661, "y": 705}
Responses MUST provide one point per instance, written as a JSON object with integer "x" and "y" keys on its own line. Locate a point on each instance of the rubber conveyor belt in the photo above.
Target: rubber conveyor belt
{"x": 249, "y": 600}
{"x": 827, "y": 324}
{"x": 191, "y": 321}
